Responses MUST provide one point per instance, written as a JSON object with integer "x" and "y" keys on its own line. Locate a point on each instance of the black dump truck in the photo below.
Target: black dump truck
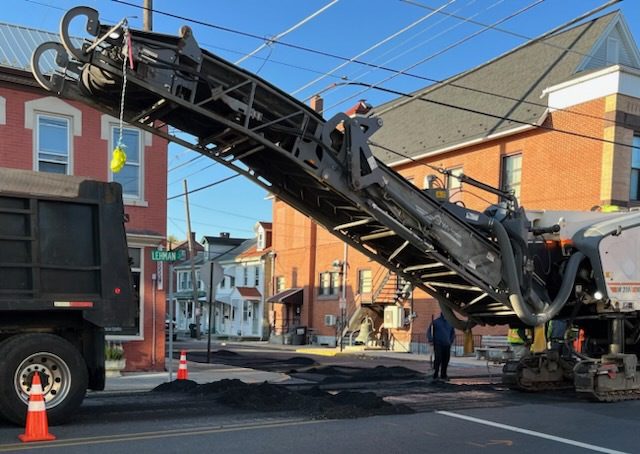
{"x": 65, "y": 280}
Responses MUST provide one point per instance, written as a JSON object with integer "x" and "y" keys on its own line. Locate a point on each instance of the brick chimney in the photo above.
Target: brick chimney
{"x": 317, "y": 103}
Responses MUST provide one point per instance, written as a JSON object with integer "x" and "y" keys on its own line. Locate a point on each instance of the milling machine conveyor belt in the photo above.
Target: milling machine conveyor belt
{"x": 324, "y": 169}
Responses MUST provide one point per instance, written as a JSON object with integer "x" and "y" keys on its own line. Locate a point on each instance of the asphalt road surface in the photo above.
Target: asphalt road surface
{"x": 472, "y": 414}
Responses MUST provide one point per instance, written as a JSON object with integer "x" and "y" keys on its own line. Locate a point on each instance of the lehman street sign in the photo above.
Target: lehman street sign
{"x": 168, "y": 256}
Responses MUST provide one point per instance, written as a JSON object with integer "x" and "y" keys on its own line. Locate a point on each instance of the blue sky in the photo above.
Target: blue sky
{"x": 345, "y": 29}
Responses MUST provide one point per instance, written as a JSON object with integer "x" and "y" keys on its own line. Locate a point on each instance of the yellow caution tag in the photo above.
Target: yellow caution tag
{"x": 118, "y": 159}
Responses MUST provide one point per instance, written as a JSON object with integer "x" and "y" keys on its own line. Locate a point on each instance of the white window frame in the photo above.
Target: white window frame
{"x": 256, "y": 276}
{"x": 3, "y": 110}
{"x": 503, "y": 174}
{"x": 333, "y": 289}
{"x": 54, "y": 107}
{"x": 107, "y": 123}
{"x": 69, "y": 155}
{"x": 280, "y": 284}
{"x": 141, "y": 300}
{"x": 365, "y": 281}
{"x": 140, "y": 164}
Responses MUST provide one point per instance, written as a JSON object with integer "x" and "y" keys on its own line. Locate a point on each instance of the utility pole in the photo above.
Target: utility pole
{"x": 147, "y": 18}
{"x": 192, "y": 250}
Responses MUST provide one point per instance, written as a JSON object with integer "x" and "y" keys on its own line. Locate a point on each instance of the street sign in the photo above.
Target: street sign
{"x": 211, "y": 273}
{"x": 168, "y": 256}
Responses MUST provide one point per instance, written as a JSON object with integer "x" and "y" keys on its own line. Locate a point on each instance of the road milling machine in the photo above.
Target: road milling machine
{"x": 502, "y": 266}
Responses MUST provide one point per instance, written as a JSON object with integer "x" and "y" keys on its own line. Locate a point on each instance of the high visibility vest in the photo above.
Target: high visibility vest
{"x": 513, "y": 337}
{"x": 578, "y": 343}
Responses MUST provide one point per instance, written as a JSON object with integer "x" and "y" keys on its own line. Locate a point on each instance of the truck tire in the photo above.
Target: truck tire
{"x": 62, "y": 369}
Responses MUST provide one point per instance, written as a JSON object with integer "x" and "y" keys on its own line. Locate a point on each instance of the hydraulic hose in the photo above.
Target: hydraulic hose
{"x": 518, "y": 304}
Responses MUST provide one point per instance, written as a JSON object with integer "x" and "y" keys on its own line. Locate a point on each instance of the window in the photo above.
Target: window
{"x": 364, "y": 281}
{"x": 53, "y": 144}
{"x": 135, "y": 256}
{"x": 184, "y": 280}
{"x": 245, "y": 276}
{"x": 261, "y": 239}
{"x": 130, "y": 177}
{"x": 634, "y": 189}
{"x": 280, "y": 283}
{"x": 232, "y": 281}
{"x": 246, "y": 311}
{"x": 256, "y": 277}
{"x": 512, "y": 174}
{"x": 454, "y": 185}
{"x": 329, "y": 284}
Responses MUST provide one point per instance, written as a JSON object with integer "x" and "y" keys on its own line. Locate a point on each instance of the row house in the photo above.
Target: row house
{"x": 556, "y": 121}
{"x": 189, "y": 307}
{"x": 47, "y": 134}
{"x": 239, "y": 306}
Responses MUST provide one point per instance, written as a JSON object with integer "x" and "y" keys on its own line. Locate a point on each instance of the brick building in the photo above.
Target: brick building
{"x": 44, "y": 133}
{"x": 554, "y": 120}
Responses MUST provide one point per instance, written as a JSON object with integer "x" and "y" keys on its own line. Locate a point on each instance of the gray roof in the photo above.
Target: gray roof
{"x": 414, "y": 127}
{"x": 236, "y": 251}
{"x": 222, "y": 240}
{"x": 17, "y": 43}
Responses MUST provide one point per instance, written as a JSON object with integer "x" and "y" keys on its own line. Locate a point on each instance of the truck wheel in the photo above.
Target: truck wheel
{"x": 62, "y": 369}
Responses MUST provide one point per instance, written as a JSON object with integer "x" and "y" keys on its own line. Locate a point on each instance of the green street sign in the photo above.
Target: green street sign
{"x": 168, "y": 256}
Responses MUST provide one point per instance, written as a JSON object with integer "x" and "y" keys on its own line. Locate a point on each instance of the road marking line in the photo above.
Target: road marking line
{"x": 532, "y": 433}
{"x": 154, "y": 435}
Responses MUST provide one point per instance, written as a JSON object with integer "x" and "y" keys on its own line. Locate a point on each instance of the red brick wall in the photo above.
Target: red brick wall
{"x": 91, "y": 159}
{"x": 559, "y": 171}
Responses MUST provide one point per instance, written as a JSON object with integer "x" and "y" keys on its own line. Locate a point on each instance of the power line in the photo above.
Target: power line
{"x": 449, "y": 47}
{"x": 206, "y": 186}
{"x": 498, "y": 117}
{"x": 512, "y": 33}
{"x": 363, "y": 63}
{"x": 194, "y": 173}
{"x": 375, "y": 46}
{"x": 195, "y": 158}
{"x": 286, "y": 32}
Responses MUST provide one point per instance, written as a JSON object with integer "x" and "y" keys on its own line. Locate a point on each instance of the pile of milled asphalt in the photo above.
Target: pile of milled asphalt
{"x": 343, "y": 374}
{"x": 268, "y": 397}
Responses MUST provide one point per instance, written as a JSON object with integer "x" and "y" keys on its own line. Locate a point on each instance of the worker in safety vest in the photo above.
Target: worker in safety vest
{"x": 518, "y": 341}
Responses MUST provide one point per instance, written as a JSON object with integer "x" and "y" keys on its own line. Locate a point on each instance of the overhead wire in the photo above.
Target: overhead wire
{"x": 518, "y": 35}
{"x": 411, "y": 49}
{"x": 447, "y": 48}
{"x": 501, "y": 117}
{"x": 373, "y": 47}
{"x": 206, "y": 186}
{"x": 369, "y": 86}
{"x": 364, "y": 63}
{"x": 277, "y": 37}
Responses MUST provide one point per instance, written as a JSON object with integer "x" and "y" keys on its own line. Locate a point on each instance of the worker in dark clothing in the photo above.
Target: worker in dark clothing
{"x": 441, "y": 335}
{"x": 556, "y": 333}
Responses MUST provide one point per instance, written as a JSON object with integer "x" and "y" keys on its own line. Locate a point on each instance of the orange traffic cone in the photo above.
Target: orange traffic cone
{"x": 183, "y": 374}
{"x": 37, "y": 428}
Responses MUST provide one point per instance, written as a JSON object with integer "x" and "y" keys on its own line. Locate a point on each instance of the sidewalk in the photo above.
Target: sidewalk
{"x": 198, "y": 372}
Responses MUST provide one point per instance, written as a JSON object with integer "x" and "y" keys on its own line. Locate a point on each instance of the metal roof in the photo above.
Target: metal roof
{"x": 17, "y": 43}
